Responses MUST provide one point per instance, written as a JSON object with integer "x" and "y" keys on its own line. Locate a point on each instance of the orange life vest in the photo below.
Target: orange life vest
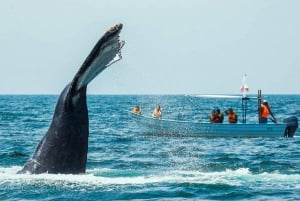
{"x": 232, "y": 118}
{"x": 264, "y": 111}
{"x": 216, "y": 118}
{"x": 136, "y": 110}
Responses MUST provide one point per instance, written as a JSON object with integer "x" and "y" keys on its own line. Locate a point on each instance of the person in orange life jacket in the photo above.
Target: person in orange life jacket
{"x": 216, "y": 116}
{"x": 232, "y": 116}
{"x": 265, "y": 111}
{"x": 137, "y": 110}
{"x": 157, "y": 113}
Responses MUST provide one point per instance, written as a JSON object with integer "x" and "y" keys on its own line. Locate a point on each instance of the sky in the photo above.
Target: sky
{"x": 172, "y": 47}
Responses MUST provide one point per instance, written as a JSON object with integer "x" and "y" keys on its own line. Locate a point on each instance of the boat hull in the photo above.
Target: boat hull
{"x": 173, "y": 127}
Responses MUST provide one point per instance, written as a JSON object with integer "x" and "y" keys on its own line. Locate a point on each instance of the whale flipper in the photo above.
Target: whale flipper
{"x": 64, "y": 147}
{"x": 106, "y": 52}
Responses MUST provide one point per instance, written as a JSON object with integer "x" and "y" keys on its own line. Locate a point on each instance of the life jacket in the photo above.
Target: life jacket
{"x": 232, "y": 117}
{"x": 216, "y": 118}
{"x": 136, "y": 111}
{"x": 264, "y": 111}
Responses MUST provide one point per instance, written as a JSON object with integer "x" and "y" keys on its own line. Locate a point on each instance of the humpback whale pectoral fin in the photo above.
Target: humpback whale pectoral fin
{"x": 118, "y": 55}
{"x": 64, "y": 147}
{"x": 106, "y": 52}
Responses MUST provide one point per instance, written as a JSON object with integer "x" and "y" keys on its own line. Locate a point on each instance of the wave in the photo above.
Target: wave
{"x": 103, "y": 177}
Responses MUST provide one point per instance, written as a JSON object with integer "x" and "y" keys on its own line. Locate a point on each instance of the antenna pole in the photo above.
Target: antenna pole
{"x": 244, "y": 109}
{"x": 259, "y": 104}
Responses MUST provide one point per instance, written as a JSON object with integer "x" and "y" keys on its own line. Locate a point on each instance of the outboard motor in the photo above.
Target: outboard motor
{"x": 291, "y": 126}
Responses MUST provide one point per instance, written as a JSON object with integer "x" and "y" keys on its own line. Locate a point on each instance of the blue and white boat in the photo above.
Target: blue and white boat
{"x": 286, "y": 128}
{"x": 156, "y": 126}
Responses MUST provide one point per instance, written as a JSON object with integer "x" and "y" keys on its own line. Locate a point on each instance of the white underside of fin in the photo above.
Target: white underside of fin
{"x": 109, "y": 54}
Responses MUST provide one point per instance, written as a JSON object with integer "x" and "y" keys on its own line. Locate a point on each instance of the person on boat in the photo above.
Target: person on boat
{"x": 265, "y": 111}
{"x": 216, "y": 116}
{"x": 232, "y": 116}
{"x": 157, "y": 113}
{"x": 137, "y": 110}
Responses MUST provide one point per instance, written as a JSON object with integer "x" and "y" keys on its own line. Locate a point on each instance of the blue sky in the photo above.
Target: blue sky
{"x": 172, "y": 47}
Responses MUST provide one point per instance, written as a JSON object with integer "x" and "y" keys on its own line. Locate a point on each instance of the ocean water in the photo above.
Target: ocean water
{"x": 126, "y": 164}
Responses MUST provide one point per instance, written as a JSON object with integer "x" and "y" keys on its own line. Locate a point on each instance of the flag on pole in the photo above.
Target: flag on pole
{"x": 244, "y": 87}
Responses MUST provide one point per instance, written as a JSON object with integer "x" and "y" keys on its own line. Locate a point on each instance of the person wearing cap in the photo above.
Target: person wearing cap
{"x": 232, "y": 116}
{"x": 157, "y": 113}
{"x": 265, "y": 111}
{"x": 216, "y": 116}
